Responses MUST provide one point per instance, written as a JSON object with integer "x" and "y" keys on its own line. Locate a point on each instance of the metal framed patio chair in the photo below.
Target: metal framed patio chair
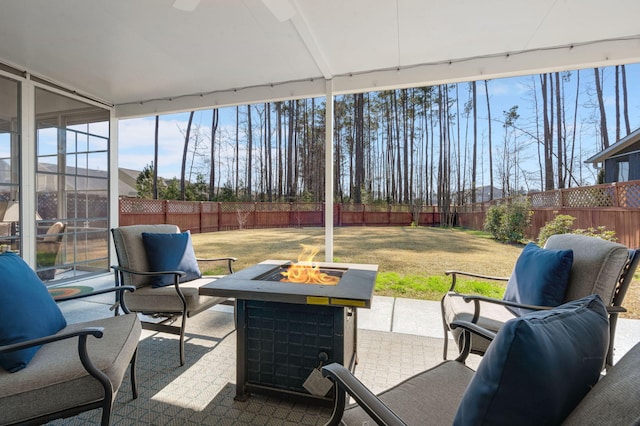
{"x": 599, "y": 267}
{"x": 561, "y": 383}
{"x": 177, "y": 300}
{"x": 51, "y": 369}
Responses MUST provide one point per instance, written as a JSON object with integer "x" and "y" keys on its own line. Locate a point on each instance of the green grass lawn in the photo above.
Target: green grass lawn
{"x": 411, "y": 260}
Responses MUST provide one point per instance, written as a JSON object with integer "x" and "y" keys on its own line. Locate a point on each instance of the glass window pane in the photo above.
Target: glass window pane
{"x": 97, "y": 164}
{"x": 47, "y": 141}
{"x": 72, "y": 184}
{"x": 98, "y": 144}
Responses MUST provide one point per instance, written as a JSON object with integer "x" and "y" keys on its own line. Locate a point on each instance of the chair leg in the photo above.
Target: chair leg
{"x": 182, "y": 330}
{"x": 106, "y": 410}
{"x": 446, "y": 331}
{"x": 132, "y": 373}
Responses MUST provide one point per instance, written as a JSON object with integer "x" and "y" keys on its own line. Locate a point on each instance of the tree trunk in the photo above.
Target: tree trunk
{"x": 155, "y": 158}
{"x": 249, "y": 194}
{"x": 474, "y": 159}
{"x": 603, "y": 115}
{"x": 560, "y": 141}
{"x": 617, "y": 92}
{"x": 185, "y": 151}
{"x": 491, "y": 184}
{"x": 625, "y": 100}
{"x": 212, "y": 175}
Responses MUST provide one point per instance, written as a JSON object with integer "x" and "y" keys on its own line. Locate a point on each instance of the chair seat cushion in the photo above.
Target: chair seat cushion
{"x": 165, "y": 299}
{"x": 540, "y": 277}
{"x": 170, "y": 252}
{"x": 28, "y": 310}
{"x": 614, "y": 399}
{"x": 55, "y": 379}
{"x": 539, "y": 367}
{"x": 420, "y": 399}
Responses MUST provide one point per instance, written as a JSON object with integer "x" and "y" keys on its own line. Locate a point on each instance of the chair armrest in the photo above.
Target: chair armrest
{"x": 615, "y": 309}
{"x": 229, "y": 260}
{"x": 131, "y": 271}
{"x": 476, "y": 298}
{"x": 176, "y": 281}
{"x": 119, "y": 299}
{"x": 345, "y": 381}
{"x": 93, "y": 331}
{"x": 474, "y": 328}
{"x": 454, "y": 274}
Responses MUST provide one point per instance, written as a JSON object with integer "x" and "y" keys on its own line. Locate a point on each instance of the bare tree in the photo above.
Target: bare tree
{"x": 249, "y": 170}
{"x": 603, "y": 115}
{"x": 155, "y": 158}
{"x": 625, "y": 100}
{"x": 185, "y": 152}
{"x": 212, "y": 175}
{"x": 491, "y": 184}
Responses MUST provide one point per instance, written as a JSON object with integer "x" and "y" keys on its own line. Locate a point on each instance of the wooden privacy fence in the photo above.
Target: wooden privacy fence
{"x": 203, "y": 216}
{"x": 616, "y": 206}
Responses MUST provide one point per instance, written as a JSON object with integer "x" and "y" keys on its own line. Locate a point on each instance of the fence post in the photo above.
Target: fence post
{"x": 166, "y": 211}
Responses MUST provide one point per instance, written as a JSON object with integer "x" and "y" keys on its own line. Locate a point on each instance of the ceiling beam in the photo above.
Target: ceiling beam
{"x": 560, "y": 58}
{"x": 310, "y": 42}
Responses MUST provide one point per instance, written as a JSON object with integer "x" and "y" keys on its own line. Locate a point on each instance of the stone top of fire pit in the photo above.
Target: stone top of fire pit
{"x": 354, "y": 288}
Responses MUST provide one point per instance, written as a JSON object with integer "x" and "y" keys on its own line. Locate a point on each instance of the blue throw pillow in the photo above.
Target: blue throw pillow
{"x": 28, "y": 310}
{"x": 539, "y": 278}
{"x": 539, "y": 367}
{"x": 170, "y": 252}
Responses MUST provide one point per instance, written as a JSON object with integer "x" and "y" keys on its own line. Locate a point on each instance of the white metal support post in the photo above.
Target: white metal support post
{"x": 328, "y": 174}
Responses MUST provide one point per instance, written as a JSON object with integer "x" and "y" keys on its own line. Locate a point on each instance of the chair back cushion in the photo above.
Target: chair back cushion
{"x": 28, "y": 310}
{"x": 539, "y": 367}
{"x": 170, "y": 252}
{"x": 597, "y": 265}
{"x": 540, "y": 277}
{"x": 131, "y": 252}
{"x": 54, "y": 233}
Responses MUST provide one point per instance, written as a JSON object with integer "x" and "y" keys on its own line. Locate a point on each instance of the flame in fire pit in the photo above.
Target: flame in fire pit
{"x": 308, "y": 273}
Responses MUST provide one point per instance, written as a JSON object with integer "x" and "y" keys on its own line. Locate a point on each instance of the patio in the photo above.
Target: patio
{"x": 396, "y": 339}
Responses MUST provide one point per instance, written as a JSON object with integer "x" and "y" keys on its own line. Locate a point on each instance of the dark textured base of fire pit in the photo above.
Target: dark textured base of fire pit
{"x": 284, "y": 342}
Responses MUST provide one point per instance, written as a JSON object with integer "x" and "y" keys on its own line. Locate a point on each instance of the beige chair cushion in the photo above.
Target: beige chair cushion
{"x": 614, "y": 400}
{"x": 54, "y": 233}
{"x": 131, "y": 252}
{"x": 597, "y": 265}
{"x": 421, "y": 399}
{"x": 55, "y": 379}
{"x": 165, "y": 299}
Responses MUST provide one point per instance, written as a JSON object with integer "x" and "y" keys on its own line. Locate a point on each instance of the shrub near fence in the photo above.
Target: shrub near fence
{"x": 615, "y": 206}
{"x": 202, "y": 216}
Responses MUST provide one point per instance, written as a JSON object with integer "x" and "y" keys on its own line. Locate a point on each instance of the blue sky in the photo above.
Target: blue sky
{"x": 137, "y": 135}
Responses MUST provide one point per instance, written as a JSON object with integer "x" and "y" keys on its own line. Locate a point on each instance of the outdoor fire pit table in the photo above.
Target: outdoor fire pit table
{"x": 285, "y": 330}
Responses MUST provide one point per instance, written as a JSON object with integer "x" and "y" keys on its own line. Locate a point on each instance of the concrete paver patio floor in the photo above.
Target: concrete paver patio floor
{"x": 396, "y": 339}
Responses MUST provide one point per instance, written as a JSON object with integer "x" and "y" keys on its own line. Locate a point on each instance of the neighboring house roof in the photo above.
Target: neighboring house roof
{"x": 127, "y": 182}
{"x": 48, "y": 182}
{"x": 616, "y": 148}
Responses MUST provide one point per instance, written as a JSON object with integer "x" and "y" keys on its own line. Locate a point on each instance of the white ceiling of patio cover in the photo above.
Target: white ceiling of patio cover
{"x": 147, "y": 57}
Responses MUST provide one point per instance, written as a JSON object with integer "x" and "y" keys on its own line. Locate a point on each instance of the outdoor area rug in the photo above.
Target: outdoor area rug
{"x": 201, "y": 392}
